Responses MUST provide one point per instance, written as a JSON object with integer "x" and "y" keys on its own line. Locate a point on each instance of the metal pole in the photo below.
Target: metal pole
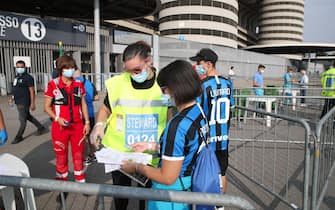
{"x": 97, "y": 58}
{"x": 155, "y": 46}
{"x": 306, "y": 164}
{"x": 128, "y": 192}
{"x": 315, "y": 172}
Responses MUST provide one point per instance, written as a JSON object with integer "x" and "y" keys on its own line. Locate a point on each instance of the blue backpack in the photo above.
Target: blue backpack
{"x": 206, "y": 176}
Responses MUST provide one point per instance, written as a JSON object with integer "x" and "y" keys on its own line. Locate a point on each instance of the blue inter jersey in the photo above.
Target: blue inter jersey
{"x": 287, "y": 81}
{"x": 216, "y": 100}
{"x": 180, "y": 139}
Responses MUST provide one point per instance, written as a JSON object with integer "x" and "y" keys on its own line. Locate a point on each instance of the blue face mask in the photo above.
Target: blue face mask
{"x": 20, "y": 70}
{"x": 166, "y": 100}
{"x": 200, "y": 70}
{"x": 79, "y": 78}
{"x": 68, "y": 72}
{"x": 141, "y": 77}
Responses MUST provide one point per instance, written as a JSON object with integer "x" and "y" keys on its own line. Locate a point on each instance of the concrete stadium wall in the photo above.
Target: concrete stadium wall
{"x": 245, "y": 62}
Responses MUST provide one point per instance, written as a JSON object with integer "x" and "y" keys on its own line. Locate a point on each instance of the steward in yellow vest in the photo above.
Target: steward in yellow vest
{"x": 134, "y": 110}
{"x": 328, "y": 89}
{"x": 138, "y": 115}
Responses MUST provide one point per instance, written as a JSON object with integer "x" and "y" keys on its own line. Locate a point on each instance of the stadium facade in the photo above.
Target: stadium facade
{"x": 233, "y": 23}
{"x": 229, "y": 24}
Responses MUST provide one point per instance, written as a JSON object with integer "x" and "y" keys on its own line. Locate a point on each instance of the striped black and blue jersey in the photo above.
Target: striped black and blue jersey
{"x": 216, "y": 100}
{"x": 180, "y": 139}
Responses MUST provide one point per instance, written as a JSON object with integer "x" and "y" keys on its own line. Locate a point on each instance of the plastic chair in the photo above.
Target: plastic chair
{"x": 11, "y": 165}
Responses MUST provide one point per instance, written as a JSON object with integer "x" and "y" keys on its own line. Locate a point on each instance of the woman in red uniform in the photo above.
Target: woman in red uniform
{"x": 65, "y": 104}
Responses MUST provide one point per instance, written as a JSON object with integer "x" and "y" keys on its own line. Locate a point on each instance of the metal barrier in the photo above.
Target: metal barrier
{"x": 276, "y": 158}
{"x": 127, "y": 192}
{"x": 99, "y": 78}
{"x": 41, "y": 80}
{"x": 286, "y": 105}
{"x": 324, "y": 157}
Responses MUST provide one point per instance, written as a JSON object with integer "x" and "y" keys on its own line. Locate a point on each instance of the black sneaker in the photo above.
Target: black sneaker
{"x": 17, "y": 140}
{"x": 59, "y": 197}
{"x": 41, "y": 131}
{"x": 90, "y": 159}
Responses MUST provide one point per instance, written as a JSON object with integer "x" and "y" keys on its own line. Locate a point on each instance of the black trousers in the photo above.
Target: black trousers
{"x": 303, "y": 93}
{"x": 24, "y": 115}
{"x": 120, "y": 179}
{"x": 329, "y": 104}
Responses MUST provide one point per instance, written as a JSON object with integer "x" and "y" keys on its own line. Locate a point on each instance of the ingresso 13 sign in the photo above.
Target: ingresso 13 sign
{"x": 24, "y": 28}
{"x": 33, "y": 29}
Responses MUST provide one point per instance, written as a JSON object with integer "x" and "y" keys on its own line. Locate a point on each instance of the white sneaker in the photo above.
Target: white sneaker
{"x": 303, "y": 105}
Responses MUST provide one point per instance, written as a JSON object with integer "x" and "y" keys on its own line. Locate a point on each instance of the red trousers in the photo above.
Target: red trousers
{"x": 61, "y": 137}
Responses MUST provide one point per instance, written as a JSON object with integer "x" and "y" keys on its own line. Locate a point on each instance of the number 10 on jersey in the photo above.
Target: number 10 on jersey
{"x": 220, "y": 111}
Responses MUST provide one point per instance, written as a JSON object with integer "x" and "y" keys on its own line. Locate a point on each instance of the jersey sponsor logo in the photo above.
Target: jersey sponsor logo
{"x": 141, "y": 128}
{"x": 218, "y": 138}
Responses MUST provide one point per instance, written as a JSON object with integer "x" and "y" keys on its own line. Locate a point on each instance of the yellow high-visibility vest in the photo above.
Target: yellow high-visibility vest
{"x": 328, "y": 82}
{"x": 138, "y": 115}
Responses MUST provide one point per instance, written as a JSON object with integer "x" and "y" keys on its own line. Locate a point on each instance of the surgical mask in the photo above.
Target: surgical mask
{"x": 141, "y": 77}
{"x": 262, "y": 71}
{"x": 68, "y": 72}
{"x": 20, "y": 70}
{"x": 200, "y": 70}
{"x": 79, "y": 78}
{"x": 166, "y": 100}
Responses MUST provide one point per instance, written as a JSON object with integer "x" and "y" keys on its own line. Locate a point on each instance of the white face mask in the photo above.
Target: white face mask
{"x": 68, "y": 72}
{"x": 141, "y": 77}
{"x": 262, "y": 71}
{"x": 20, "y": 70}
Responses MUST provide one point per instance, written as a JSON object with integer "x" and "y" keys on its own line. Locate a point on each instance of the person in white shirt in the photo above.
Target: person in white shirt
{"x": 303, "y": 85}
{"x": 231, "y": 73}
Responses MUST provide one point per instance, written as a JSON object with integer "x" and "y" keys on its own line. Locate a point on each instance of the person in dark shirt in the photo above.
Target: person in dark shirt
{"x": 24, "y": 97}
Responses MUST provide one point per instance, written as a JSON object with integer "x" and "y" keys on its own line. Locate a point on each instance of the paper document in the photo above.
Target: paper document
{"x": 113, "y": 158}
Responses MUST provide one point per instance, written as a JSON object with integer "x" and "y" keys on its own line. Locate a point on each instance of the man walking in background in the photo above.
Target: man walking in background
{"x": 258, "y": 81}
{"x": 24, "y": 97}
{"x": 288, "y": 83}
{"x": 303, "y": 85}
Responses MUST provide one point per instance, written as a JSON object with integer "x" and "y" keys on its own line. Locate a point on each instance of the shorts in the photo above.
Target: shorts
{"x": 222, "y": 156}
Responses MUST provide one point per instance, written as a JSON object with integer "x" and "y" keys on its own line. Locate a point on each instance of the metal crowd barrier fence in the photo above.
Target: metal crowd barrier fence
{"x": 292, "y": 105}
{"x": 99, "y": 78}
{"x": 41, "y": 80}
{"x": 324, "y": 157}
{"x": 275, "y": 157}
{"x": 127, "y": 192}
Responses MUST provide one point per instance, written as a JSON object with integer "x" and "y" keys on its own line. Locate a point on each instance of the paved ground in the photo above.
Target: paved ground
{"x": 38, "y": 155}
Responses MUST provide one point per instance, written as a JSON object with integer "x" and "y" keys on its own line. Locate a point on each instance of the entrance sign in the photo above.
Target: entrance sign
{"x": 17, "y": 27}
{"x": 33, "y": 29}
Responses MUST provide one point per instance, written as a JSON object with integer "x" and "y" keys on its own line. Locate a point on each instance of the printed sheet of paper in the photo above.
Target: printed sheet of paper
{"x": 113, "y": 158}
